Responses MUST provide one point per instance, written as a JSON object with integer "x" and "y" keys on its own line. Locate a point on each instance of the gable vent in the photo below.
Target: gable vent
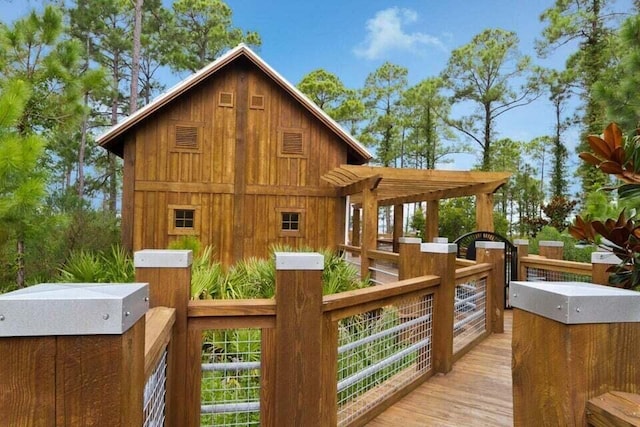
{"x": 292, "y": 143}
{"x": 186, "y": 137}
{"x": 257, "y": 102}
{"x": 225, "y": 99}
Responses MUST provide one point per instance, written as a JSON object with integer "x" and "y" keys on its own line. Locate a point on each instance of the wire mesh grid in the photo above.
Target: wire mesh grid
{"x": 542, "y": 275}
{"x": 381, "y": 351}
{"x": 383, "y": 271}
{"x": 154, "y": 394}
{"x": 469, "y": 313}
{"x": 230, "y": 392}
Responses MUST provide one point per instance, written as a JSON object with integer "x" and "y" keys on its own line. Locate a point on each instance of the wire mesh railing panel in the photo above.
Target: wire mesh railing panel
{"x": 382, "y": 272}
{"x": 380, "y": 352}
{"x": 469, "y": 313}
{"x": 543, "y": 275}
{"x": 154, "y": 394}
{"x": 230, "y": 389}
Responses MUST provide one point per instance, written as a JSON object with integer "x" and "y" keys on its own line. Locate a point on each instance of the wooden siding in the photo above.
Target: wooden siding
{"x": 237, "y": 178}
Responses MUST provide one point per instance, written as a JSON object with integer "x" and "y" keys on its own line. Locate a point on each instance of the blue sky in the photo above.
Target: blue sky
{"x": 351, "y": 38}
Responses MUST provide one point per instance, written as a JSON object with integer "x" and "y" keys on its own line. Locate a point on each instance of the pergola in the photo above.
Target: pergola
{"x": 370, "y": 187}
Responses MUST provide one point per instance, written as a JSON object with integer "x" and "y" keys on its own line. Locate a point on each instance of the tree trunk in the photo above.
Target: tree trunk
{"x": 135, "y": 61}
{"x": 486, "y": 149}
{"x": 20, "y": 277}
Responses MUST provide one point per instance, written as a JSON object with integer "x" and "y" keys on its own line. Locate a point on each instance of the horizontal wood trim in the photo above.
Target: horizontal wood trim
{"x": 184, "y": 187}
{"x": 376, "y": 293}
{"x": 231, "y": 322}
{"x": 269, "y": 190}
{"x": 159, "y": 324}
{"x": 227, "y": 308}
{"x": 557, "y": 265}
{"x": 383, "y": 255}
{"x": 472, "y": 272}
{"x": 615, "y": 408}
{"x": 348, "y": 248}
{"x": 460, "y": 262}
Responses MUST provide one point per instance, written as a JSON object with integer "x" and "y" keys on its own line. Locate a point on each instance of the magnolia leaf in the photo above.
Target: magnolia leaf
{"x": 611, "y": 167}
{"x": 599, "y": 146}
{"x": 590, "y": 158}
{"x": 613, "y": 136}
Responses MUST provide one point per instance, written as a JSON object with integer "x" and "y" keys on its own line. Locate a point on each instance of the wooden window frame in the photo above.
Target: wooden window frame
{"x": 226, "y": 104}
{"x": 183, "y": 231}
{"x": 305, "y": 142}
{"x": 172, "y": 136}
{"x": 301, "y": 222}
{"x": 253, "y": 106}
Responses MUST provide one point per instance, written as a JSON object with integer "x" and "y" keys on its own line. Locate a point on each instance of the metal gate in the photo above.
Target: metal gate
{"x": 467, "y": 250}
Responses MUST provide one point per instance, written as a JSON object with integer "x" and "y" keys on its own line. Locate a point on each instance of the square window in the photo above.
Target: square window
{"x": 184, "y": 218}
{"x": 290, "y": 221}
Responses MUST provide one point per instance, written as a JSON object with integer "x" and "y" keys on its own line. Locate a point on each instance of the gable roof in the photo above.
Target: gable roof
{"x": 112, "y": 141}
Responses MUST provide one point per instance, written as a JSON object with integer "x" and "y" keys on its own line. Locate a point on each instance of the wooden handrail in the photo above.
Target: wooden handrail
{"x": 349, "y": 248}
{"x": 473, "y": 272}
{"x": 378, "y": 293}
{"x": 159, "y": 322}
{"x": 465, "y": 262}
{"x": 231, "y": 307}
{"x": 557, "y": 265}
{"x": 383, "y": 255}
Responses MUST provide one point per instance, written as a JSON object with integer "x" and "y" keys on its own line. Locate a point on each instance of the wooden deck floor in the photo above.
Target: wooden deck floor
{"x": 477, "y": 392}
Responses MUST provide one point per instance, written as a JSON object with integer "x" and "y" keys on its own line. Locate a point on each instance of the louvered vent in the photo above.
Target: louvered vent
{"x": 225, "y": 99}
{"x": 292, "y": 143}
{"x": 257, "y": 102}
{"x": 187, "y": 137}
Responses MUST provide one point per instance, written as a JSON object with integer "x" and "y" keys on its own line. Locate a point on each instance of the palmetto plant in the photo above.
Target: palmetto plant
{"x": 115, "y": 266}
{"x": 616, "y": 156}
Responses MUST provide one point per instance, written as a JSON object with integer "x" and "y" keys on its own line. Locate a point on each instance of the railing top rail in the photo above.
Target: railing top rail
{"x": 349, "y": 248}
{"x": 465, "y": 273}
{"x": 232, "y": 307}
{"x": 557, "y": 265}
{"x": 383, "y": 255}
{"x": 380, "y": 292}
{"x": 158, "y": 324}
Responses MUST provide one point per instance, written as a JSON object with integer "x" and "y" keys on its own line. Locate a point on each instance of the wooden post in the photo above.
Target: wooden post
{"x": 567, "y": 349}
{"x": 168, "y": 273}
{"x": 600, "y": 262}
{"x": 432, "y": 220}
{"x": 551, "y": 249}
{"x": 355, "y": 231}
{"x": 299, "y": 324}
{"x": 409, "y": 255}
{"x": 523, "y": 251}
{"x": 484, "y": 212}
{"x": 441, "y": 261}
{"x": 493, "y": 253}
{"x": 58, "y": 370}
{"x": 398, "y": 223}
{"x": 369, "y": 228}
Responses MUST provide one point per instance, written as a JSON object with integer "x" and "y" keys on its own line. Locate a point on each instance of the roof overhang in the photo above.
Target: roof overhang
{"x": 112, "y": 139}
{"x": 397, "y": 186}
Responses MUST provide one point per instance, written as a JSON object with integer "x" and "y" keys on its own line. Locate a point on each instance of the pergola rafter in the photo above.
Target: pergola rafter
{"x": 370, "y": 187}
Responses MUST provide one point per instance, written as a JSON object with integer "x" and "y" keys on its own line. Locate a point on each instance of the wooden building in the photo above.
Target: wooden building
{"x": 234, "y": 155}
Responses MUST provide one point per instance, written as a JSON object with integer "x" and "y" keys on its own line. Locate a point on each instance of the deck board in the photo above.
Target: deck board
{"x": 477, "y": 392}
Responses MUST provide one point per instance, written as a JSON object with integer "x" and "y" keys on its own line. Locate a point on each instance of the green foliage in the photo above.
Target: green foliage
{"x": 191, "y": 243}
{"x": 485, "y": 72}
{"x": 418, "y": 222}
{"x": 115, "y": 266}
{"x": 572, "y": 250}
{"x": 457, "y": 217}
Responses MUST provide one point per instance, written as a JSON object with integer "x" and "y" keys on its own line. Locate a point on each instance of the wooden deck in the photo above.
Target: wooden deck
{"x": 476, "y": 393}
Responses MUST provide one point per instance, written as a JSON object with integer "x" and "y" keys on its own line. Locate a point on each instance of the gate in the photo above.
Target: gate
{"x": 467, "y": 250}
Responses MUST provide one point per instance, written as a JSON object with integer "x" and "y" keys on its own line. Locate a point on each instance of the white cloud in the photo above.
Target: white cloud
{"x": 386, "y": 32}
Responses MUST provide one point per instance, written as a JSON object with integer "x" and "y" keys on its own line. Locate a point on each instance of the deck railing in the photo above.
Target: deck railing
{"x": 383, "y": 266}
{"x": 540, "y": 269}
{"x": 158, "y": 328}
{"x": 470, "y": 306}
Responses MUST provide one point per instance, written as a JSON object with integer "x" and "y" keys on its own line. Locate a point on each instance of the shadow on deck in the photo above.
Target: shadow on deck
{"x": 477, "y": 392}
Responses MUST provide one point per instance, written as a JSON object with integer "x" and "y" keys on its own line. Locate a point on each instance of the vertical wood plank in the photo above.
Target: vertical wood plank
{"x": 128, "y": 186}
{"x": 240, "y": 163}
{"x": 484, "y": 212}
{"x": 27, "y": 381}
{"x": 493, "y": 253}
{"x": 299, "y": 345}
{"x": 432, "y": 220}
{"x": 190, "y": 412}
{"x": 369, "y": 228}
{"x": 268, "y": 374}
{"x": 329, "y": 409}
{"x": 398, "y": 225}
{"x": 170, "y": 287}
{"x": 441, "y": 261}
